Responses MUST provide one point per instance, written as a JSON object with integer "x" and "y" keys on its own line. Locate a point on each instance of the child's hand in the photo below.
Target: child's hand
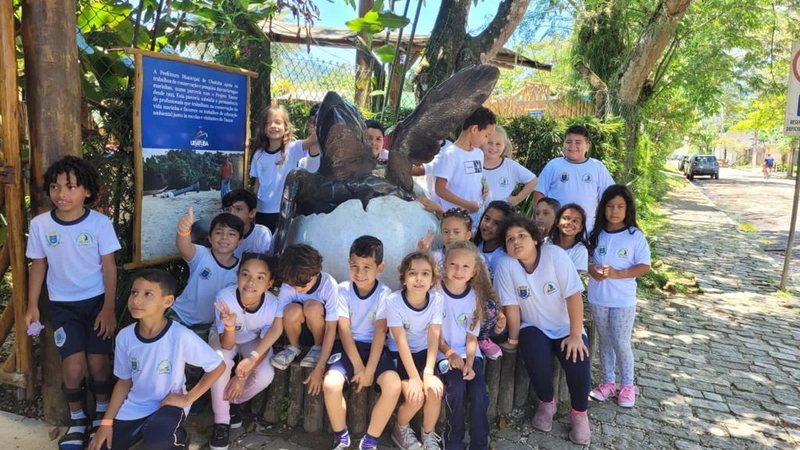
{"x": 415, "y": 392}
{"x": 468, "y": 372}
{"x": 103, "y": 436}
{"x": 596, "y": 272}
{"x": 245, "y": 366}
{"x": 433, "y": 385}
{"x": 31, "y": 316}
{"x": 314, "y": 382}
{"x": 455, "y": 362}
{"x": 186, "y": 221}
{"x": 610, "y": 272}
{"x": 363, "y": 379}
{"x": 574, "y": 346}
{"x": 501, "y": 323}
{"x": 508, "y": 346}
{"x": 424, "y": 244}
{"x": 177, "y": 400}
{"x": 105, "y": 323}
{"x": 234, "y": 388}
{"x": 472, "y": 207}
{"x": 226, "y": 316}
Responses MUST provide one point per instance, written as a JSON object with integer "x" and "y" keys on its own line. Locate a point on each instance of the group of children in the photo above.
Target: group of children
{"x": 500, "y": 278}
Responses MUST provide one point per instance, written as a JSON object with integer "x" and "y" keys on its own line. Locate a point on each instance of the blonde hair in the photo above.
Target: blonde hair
{"x": 480, "y": 282}
{"x": 508, "y": 147}
{"x": 260, "y": 140}
{"x": 425, "y": 256}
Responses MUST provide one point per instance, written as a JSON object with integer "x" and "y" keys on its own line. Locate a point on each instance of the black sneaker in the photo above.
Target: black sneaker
{"x": 220, "y": 437}
{"x": 236, "y": 416}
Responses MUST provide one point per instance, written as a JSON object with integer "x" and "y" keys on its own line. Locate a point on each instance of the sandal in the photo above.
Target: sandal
{"x": 75, "y": 436}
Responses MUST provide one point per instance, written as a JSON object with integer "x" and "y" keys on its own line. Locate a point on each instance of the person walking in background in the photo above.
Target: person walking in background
{"x": 225, "y": 176}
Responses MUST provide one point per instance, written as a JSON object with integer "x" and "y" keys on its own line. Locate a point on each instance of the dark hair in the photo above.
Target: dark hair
{"x": 85, "y": 175}
{"x": 164, "y": 280}
{"x": 518, "y": 220}
{"x": 482, "y": 117}
{"x": 270, "y": 261}
{"x": 240, "y": 195}
{"x": 461, "y": 213}
{"x": 580, "y": 130}
{"x": 227, "y": 220}
{"x": 375, "y": 125}
{"x": 405, "y": 264}
{"x": 555, "y": 233}
{"x": 500, "y": 205}
{"x": 553, "y": 203}
{"x": 600, "y": 221}
{"x": 299, "y": 264}
{"x": 368, "y": 247}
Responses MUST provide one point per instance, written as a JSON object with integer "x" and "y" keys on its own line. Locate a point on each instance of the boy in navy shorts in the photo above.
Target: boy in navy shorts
{"x": 73, "y": 246}
{"x": 150, "y": 400}
{"x": 358, "y": 357}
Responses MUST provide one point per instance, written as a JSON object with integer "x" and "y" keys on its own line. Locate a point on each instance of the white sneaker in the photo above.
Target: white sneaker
{"x": 311, "y": 357}
{"x": 431, "y": 441}
{"x": 282, "y": 360}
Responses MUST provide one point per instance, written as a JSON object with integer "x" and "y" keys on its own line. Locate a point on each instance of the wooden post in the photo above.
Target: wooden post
{"x": 521, "y": 383}
{"x": 296, "y": 393}
{"x": 14, "y": 192}
{"x": 493, "y": 382}
{"x": 505, "y": 398}
{"x": 313, "y": 408}
{"x": 275, "y": 395}
{"x": 358, "y": 411}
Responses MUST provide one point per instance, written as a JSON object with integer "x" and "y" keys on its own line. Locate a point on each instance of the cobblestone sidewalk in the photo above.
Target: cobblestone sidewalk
{"x": 716, "y": 370}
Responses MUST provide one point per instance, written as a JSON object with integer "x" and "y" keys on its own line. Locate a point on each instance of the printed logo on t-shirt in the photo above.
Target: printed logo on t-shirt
{"x": 523, "y": 291}
{"x": 238, "y": 327}
{"x": 622, "y": 253}
{"x": 602, "y": 250}
{"x": 406, "y": 325}
{"x": 504, "y": 181}
{"x": 164, "y": 367}
{"x": 474, "y": 166}
{"x": 205, "y": 273}
{"x": 134, "y": 362}
{"x": 85, "y": 238}
{"x": 564, "y": 177}
{"x": 334, "y": 358}
{"x": 53, "y": 239}
{"x": 371, "y": 315}
{"x": 587, "y": 178}
{"x": 550, "y": 288}
{"x": 462, "y": 319}
{"x": 60, "y": 337}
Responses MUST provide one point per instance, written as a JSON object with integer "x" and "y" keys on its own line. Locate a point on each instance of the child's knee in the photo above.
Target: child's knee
{"x": 389, "y": 383}
{"x": 313, "y": 308}
{"x": 293, "y": 313}
{"x": 333, "y": 382}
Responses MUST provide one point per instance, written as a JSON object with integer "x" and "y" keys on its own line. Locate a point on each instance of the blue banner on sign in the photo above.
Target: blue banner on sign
{"x": 191, "y": 107}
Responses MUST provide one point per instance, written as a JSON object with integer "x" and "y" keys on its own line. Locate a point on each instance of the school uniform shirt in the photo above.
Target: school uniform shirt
{"x": 249, "y": 325}
{"x": 457, "y": 321}
{"x": 582, "y": 183}
{"x": 399, "y": 313}
{"x": 74, "y": 252}
{"x": 326, "y": 291}
{"x": 620, "y": 250}
{"x": 310, "y": 163}
{"x": 362, "y": 311}
{"x": 156, "y": 366}
{"x": 579, "y": 256}
{"x": 540, "y": 295}
{"x": 503, "y": 179}
{"x": 463, "y": 171}
{"x": 207, "y": 276}
{"x": 258, "y": 240}
{"x": 272, "y": 176}
{"x": 491, "y": 257}
{"x": 430, "y": 179}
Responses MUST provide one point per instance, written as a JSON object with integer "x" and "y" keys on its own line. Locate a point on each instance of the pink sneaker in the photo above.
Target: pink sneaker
{"x": 579, "y": 432}
{"x": 543, "y": 418}
{"x": 604, "y": 391}
{"x": 490, "y": 349}
{"x": 627, "y": 396}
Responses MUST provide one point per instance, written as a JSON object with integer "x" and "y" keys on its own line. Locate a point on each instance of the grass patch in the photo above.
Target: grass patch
{"x": 747, "y": 227}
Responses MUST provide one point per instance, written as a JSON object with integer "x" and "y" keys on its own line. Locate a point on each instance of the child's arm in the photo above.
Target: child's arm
{"x": 431, "y": 382}
{"x": 228, "y": 337}
{"x": 635, "y": 271}
{"x": 446, "y": 194}
{"x": 472, "y": 348}
{"x": 417, "y": 170}
{"x": 183, "y": 239}
{"x": 349, "y": 345}
{"x": 314, "y": 380}
{"x": 105, "y": 432}
{"x": 415, "y": 391}
{"x": 512, "y": 313}
{"x": 185, "y": 400}
{"x": 270, "y": 337}
{"x": 523, "y": 193}
{"x": 453, "y": 359}
{"x": 573, "y": 344}
{"x": 36, "y": 276}
{"x": 375, "y": 352}
{"x": 106, "y": 321}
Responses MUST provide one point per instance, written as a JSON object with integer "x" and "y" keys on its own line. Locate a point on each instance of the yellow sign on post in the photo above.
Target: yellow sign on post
{"x": 792, "y": 127}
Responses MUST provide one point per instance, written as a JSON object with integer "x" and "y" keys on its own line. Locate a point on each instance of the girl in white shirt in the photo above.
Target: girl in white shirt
{"x": 502, "y": 173}
{"x": 569, "y": 233}
{"x": 620, "y": 255}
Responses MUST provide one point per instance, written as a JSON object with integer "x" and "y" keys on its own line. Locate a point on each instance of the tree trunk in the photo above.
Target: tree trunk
{"x": 52, "y": 83}
{"x": 259, "y": 58}
{"x": 363, "y": 72}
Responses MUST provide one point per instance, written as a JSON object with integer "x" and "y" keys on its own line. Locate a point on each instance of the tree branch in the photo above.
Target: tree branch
{"x": 595, "y": 81}
{"x": 491, "y": 40}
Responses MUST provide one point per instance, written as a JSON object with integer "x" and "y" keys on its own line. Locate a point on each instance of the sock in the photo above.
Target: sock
{"x": 343, "y": 436}
{"x": 81, "y": 429}
{"x": 99, "y": 410}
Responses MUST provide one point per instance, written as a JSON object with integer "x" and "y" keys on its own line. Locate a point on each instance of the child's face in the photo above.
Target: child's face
{"x": 478, "y": 137}
{"x": 544, "y": 216}
{"x": 494, "y": 146}
{"x": 419, "y": 276}
{"x": 146, "y": 300}
{"x": 570, "y": 223}
{"x": 308, "y": 286}
{"x": 520, "y": 244}
{"x": 575, "y": 147}
{"x": 454, "y": 229}
{"x": 223, "y": 240}
{"x": 364, "y": 271}
{"x": 240, "y": 210}
{"x": 66, "y": 194}
{"x": 254, "y": 278}
{"x": 615, "y": 212}
{"x": 490, "y": 224}
{"x": 459, "y": 267}
{"x": 275, "y": 126}
{"x": 375, "y": 138}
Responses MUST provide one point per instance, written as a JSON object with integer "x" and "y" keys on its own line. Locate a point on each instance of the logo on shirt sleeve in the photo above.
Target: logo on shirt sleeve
{"x": 164, "y": 367}
{"x": 206, "y": 273}
{"x": 53, "y": 239}
{"x": 550, "y": 288}
{"x": 622, "y": 253}
{"x": 523, "y": 291}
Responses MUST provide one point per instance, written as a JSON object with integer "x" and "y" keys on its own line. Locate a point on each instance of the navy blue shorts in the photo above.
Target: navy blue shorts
{"x": 340, "y": 362}
{"x": 419, "y": 362}
{"x": 164, "y": 429}
{"x": 73, "y": 323}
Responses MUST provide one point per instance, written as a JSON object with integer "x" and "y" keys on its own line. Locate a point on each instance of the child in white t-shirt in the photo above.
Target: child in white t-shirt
{"x": 150, "y": 401}
{"x": 569, "y": 233}
{"x": 502, "y": 173}
{"x": 620, "y": 255}
{"x": 544, "y": 216}
{"x": 256, "y": 238}
{"x": 459, "y": 170}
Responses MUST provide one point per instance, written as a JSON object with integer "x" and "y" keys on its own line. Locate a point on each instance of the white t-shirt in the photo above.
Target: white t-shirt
{"x": 258, "y": 240}
{"x": 540, "y": 295}
{"x": 503, "y": 179}
{"x": 579, "y": 256}
{"x": 249, "y": 325}
{"x": 271, "y": 176}
{"x": 207, "y": 276}
{"x": 430, "y": 179}
{"x": 310, "y": 163}
{"x": 621, "y": 249}
{"x": 463, "y": 171}
{"x": 362, "y": 312}
{"x": 581, "y": 183}
{"x": 326, "y": 291}
{"x": 74, "y": 252}
{"x": 458, "y": 313}
{"x": 414, "y": 321}
{"x": 155, "y": 366}
{"x": 491, "y": 257}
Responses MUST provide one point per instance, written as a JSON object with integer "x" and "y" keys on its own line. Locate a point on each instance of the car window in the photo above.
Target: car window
{"x": 706, "y": 159}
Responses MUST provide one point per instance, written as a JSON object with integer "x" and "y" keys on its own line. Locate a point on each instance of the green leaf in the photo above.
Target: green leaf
{"x": 391, "y": 20}
{"x": 385, "y": 53}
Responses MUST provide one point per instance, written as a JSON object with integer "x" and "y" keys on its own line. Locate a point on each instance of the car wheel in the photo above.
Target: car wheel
{"x": 716, "y": 176}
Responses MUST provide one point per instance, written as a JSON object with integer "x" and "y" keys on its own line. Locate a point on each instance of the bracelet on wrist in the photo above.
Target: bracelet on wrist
{"x": 449, "y": 352}
{"x": 184, "y": 233}
{"x": 107, "y": 422}
{"x": 230, "y": 328}
{"x": 428, "y": 371}
{"x": 513, "y": 341}
{"x": 254, "y": 354}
